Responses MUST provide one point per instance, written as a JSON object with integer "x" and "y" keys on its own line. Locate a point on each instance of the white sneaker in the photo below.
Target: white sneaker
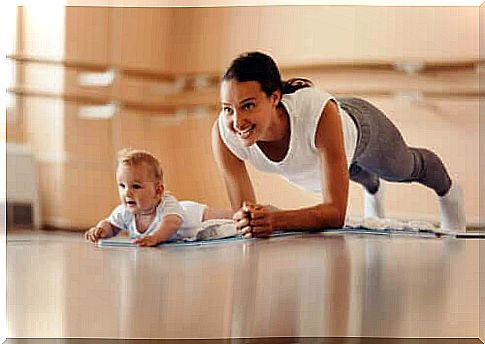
{"x": 374, "y": 203}
{"x": 452, "y": 209}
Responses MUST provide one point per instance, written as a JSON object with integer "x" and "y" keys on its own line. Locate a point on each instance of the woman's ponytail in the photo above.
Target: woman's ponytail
{"x": 293, "y": 84}
{"x": 256, "y": 66}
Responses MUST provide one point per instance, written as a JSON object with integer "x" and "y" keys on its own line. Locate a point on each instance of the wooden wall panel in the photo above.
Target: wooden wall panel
{"x": 209, "y": 38}
{"x": 43, "y": 33}
{"x": 87, "y": 140}
{"x": 206, "y": 38}
{"x": 12, "y": 128}
{"x": 43, "y": 78}
{"x": 87, "y": 31}
{"x": 141, "y": 37}
{"x": 44, "y": 127}
{"x": 481, "y": 175}
{"x": 53, "y": 196}
{"x": 91, "y": 193}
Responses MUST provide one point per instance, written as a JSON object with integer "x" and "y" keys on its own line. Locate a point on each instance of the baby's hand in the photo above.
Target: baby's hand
{"x": 96, "y": 233}
{"x": 149, "y": 240}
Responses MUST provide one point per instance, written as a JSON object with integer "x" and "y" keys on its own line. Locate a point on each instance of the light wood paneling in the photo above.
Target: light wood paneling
{"x": 207, "y": 39}
{"x": 142, "y": 37}
{"x": 482, "y": 290}
{"x": 481, "y": 176}
{"x": 87, "y": 140}
{"x": 201, "y": 37}
{"x": 12, "y": 128}
{"x": 43, "y": 31}
{"x": 87, "y": 34}
{"x": 53, "y": 195}
{"x": 91, "y": 193}
{"x": 44, "y": 127}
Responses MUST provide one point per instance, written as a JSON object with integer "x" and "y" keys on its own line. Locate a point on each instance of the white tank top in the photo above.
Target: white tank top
{"x": 301, "y": 165}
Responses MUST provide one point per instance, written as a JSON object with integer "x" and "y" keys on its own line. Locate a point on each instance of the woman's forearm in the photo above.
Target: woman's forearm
{"x": 310, "y": 218}
{"x": 217, "y": 214}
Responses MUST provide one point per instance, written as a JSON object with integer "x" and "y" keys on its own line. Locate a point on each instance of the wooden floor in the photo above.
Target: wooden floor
{"x": 310, "y": 285}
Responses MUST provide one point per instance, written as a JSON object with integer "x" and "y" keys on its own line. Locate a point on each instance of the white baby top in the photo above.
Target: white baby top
{"x": 191, "y": 217}
{"x": 301, "y": 165}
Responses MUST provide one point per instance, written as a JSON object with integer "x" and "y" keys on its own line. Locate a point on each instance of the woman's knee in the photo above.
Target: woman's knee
{"x": 432, "y": 171}
{"x": 368, "y": 180}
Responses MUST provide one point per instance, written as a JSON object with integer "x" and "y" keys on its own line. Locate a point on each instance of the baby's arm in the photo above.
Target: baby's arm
{"x": 167, "y": 227}
{"x": 104, "y": 229}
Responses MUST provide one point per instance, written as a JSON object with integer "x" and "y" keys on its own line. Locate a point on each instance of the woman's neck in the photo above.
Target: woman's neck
{"x": 277, "y": 145}
{"x": 279, "y": 129}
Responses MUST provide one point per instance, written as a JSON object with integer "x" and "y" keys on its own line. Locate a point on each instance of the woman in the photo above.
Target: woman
{"x": 317, "y": 142}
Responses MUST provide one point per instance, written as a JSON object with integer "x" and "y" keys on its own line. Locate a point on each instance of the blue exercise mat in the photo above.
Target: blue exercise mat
{"x": 126, "y": 242}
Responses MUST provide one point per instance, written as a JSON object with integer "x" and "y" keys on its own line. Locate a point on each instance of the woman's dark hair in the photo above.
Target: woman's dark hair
{"x": 256, "y": 66}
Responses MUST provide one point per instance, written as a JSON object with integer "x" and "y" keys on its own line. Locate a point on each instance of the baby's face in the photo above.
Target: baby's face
{"x": 138, "y": 189}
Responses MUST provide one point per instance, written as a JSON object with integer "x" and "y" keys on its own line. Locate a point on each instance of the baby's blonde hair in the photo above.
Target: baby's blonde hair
{"x": 131, "y": 157}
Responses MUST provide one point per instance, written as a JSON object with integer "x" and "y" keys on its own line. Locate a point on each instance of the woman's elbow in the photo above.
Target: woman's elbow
{"x": 334, "y": 217}
{"x": 337, "y": 222}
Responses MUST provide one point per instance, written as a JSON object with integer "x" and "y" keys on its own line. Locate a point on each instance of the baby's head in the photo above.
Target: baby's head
{"x": 140, "y": 180}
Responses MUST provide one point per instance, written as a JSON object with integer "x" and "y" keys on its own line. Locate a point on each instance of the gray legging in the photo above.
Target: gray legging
{"x": 382, "y": 153}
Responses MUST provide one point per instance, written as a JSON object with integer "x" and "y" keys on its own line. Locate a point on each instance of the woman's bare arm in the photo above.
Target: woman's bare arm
{"x": 334, "y": 180}
{"x": 236, "y": 177}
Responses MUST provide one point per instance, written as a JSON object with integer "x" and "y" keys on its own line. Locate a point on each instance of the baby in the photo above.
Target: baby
{"x": 150, "y": 215}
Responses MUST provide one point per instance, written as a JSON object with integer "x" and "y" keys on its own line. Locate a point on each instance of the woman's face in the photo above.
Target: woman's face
{"x": 247, "y": 110}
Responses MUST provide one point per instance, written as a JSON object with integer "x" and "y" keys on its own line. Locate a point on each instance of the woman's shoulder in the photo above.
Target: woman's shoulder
{"x": 306, "y": 101}
{"x": 307, "y": 93}
{"x": 306, "y": 96}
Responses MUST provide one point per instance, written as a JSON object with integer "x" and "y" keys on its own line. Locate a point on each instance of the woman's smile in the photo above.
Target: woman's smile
{"x": 246, "y": 133}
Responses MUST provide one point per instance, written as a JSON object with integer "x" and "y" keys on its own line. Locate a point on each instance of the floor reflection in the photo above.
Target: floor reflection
{"x": 310, "y": 285}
